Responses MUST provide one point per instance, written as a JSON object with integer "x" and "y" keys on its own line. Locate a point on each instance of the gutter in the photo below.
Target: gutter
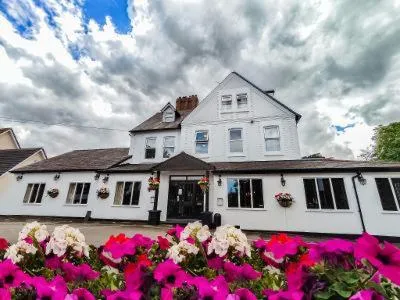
{"x": 358, "y": 200}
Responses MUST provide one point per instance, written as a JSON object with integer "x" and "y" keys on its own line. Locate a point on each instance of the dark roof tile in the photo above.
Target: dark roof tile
{"x": 182, "y": 161}
{"x": 9, "y": 158}
{"x": 155, "y": 122}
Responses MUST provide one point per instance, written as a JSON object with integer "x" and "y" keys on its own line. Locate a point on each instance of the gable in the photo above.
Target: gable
{"x": 260, "y": 104}
{"x": 8, "y": 140}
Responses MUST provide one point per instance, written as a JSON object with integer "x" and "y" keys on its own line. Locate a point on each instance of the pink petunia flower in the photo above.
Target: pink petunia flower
{"x": 80, "y": 294}
{"x": 11, "y": 275}
{"x": 260, "y": 244}
{"x": 175, "y": 231}
{"x": 55, "y": 289}
{"x": 163, "y": 243}
{"x": 167, "y": 294}
{"x": 170, "y": 274}
{"x": 216, "y": 289}
{"x": 236, "y": 273}
{"x": 334, "y": 251}
{"x": 242, "y": 294}
{"x": 78, "y": 273}
{"x": 367, "y": 295}
{"x": 282, "y": 245}
{"x": 5, "y": 294}
{"x": 53, "y": 262}
{"x": 283, "y": 295}
{"x": 385, "y": 258}
{"x": 125, "y": 295}
{"x": 3, "y": 244}
{"x": 216, "y": 263}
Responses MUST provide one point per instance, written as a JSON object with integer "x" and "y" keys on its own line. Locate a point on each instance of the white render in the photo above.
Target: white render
{"x": 261, "y": 111}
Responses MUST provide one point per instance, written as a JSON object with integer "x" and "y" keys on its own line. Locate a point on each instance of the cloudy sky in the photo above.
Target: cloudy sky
{"x": 112, "y": 63}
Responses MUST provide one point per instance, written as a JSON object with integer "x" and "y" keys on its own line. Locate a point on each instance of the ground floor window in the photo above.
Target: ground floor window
{"x": 127, "y": 193}
{"x": 389, "y": 190}
{"x": 34, "y": 193}
{"x": 78, "y": 193}
{"x": 325, "y": 193}
{"x": 245, "y": 193}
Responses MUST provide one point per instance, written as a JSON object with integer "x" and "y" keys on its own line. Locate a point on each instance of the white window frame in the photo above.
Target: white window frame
{"x": 251, "y": 193}
{"x": 202, "y": 142}
{"x": 269, "y": 138}
{"x": 155, "y": 146}
{"x": 28, "y": 197}
{"x": 173, "y": 147}
{"x": 230, "y": 140}
{"x": 80, "y": 197}
{"x": 122, "y": 196}
{"x": 396, "y": 201}
{"x": 226, "y": 98}
{"x": 334, "y": 209}
{"x": 169, "y": 116}
{"x": 244, "y": 107}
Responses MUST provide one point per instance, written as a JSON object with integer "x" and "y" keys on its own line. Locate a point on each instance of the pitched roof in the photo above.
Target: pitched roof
{"x": 4, "y": 130}
{"x": 9, "y": 158}
{"x": 79, "y": 160}
{"x": 304, "y": 165}
{"x": 297, "y": 115}
{"x": 129, "y": 168}
{"x": 182, "y": 161}
{"x": 155, "y": 122}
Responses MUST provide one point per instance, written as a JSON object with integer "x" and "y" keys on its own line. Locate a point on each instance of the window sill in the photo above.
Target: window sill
{"x": 66, "y": 204}
{"x": 234, "y": 111}
{"x": 245, "y": 208}
{"x": 335, "y": 211}
{"x": 33, "y": 204}
{"x": 273, "y": 153}
{"x": 388, "y": 212}
{"x": 126, "y": 206}
{"x": 236, "y": 155}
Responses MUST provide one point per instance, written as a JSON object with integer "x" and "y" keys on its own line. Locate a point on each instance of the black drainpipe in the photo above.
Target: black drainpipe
{"x": 358, "y": 200}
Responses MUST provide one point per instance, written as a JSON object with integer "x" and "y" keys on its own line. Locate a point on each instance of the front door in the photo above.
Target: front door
{"x": 185, "y": 198}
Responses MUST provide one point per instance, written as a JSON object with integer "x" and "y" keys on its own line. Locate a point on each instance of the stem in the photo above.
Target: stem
{"x": 368, "y": 278}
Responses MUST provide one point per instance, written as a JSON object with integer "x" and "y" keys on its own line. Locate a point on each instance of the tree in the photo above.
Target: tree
{"x": 385, "y": 143}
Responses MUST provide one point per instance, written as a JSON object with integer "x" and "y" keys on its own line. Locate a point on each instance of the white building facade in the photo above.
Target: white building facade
{"x": 245, "y": 142}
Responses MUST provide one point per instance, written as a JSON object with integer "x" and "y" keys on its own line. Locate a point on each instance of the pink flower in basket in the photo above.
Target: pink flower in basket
{"x": 203, "y": 183}
{"x": 284, "y": 199}
{"x": 153, "y": 183}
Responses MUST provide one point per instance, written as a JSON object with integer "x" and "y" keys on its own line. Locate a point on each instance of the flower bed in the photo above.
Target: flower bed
{"x": 193, "y": 263}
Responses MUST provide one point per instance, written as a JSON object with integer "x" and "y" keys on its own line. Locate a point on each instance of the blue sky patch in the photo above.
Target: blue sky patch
{"x": 341, "y": 129}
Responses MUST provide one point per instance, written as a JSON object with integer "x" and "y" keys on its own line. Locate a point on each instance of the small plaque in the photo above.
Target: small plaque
{"x": 220, "y": 201}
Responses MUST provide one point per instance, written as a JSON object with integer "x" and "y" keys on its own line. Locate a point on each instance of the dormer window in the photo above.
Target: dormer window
{"x": 241, "y": 100}
{"x": 169, "y": 116}
{"x": 226, "y": 102}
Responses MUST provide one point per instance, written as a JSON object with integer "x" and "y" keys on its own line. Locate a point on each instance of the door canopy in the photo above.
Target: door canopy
{"x": 183, "y": 161}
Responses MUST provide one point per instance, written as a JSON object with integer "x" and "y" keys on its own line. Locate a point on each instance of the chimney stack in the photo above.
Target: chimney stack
{"x": 187, "y": 103}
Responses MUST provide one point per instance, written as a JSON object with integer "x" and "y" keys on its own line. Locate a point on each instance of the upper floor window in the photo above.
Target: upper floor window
{"x": 236, "y": 140}
{"x": 201, "y": 141}
{"x": 168, "y": 146}
{"x": 241, "y": 100}
{"x": 169, "y": 116}
{"x": 127, "y": 193}
{"x": 325, "y": 193}
{"x": 150, "y": 148}
{"x": 78, "y": 193}
{"x": 226, "y": 102}
{"x": 245, "y": 193}
{"x": 389, "y": 192}
{"x": 34, "y": 193}
{"x": 272, "y": 138}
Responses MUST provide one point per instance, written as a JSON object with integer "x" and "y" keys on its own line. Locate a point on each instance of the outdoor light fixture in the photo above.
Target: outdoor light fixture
{"x": 361, "y": 179}
{"x": 283, "y": 180}
{"x": 57, "y": 176}
{"x": 219, "y": 181}
{"x": 97, "y": 176}
{"x": 105, "y": 179}
{"x": 19, "y": 177}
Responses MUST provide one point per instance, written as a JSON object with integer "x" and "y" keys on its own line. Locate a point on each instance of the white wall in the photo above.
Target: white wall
{"x": 137, "y": 147}
{"x": 295, "y": 218}
{"x": 7, "y": 141}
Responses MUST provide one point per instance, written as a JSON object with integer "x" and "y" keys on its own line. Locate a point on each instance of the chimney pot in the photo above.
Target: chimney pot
{"x": 186, "y": 102}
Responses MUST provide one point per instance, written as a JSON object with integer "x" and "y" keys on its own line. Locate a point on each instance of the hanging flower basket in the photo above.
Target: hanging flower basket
{"x": 284, "y": 199}
{"x": 53, "y": 192}
{"x": 203, "y": 183}
{"x": 153, "y": 183}
{"x": 103, "y": 193}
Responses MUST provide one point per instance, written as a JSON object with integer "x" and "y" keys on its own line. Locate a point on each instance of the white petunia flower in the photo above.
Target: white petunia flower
{"x": 66, "y": 237}
{"x": 180, "y": 251}
{"x": 195, "y": 230}
{"x": 16, "y": 251}
{"x": 228, "y": 238}
{"x": 35, "y": 231}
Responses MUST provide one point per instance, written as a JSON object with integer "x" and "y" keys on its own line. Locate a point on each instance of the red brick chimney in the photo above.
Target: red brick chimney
{"x": 187, "y": 103}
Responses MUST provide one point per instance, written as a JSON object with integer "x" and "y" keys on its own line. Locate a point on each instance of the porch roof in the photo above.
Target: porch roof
{"x": 183, "y": 162}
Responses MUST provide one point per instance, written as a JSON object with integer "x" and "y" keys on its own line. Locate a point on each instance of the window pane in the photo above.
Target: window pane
{"x": 241, "y": 100}
{"x": 85, "y": 193}
{"x": 226, "y": 102}
{"x": 271, "y": 132}
{"x": 34, "y": 193}
{"x": 325, "y": 194}
{"x": 258, "y": 201}
{"x": 396, "y": 187}
{"x": 127, "y": 193}
{"x": 202, "y": 147}
{"x": 136, "y": 193}
{"x": 78, "y": 191}
{"x": 340, "y": 193}
{"x": 202, "y": 136}
{"x": 27, "y": 193}
{"x": 385, "y": 193}
{"x": 235, "y": 134}
{"x": 311, "y": 193}
{"x": 168, "y": 152}
{"x": 40, "y": 194}
{"x": 245, "y": 193}
{"x": 272, "y": 145}
{"x": 70, "y": 195}
{"x": 150, "y": 153}
{"x": 150, "y": 142}
{"x": 118, "y": 193}
{"x": 169, "y": 141}
{"x": 233, "y": 197}
{"x": 236, "y": 146}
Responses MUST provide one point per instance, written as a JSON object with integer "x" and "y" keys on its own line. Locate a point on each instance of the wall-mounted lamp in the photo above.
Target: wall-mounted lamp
{"x": 283, "y": 180}
{"x": 19, "y": 177}
{"x": 105, "y": 179}
{"x": 361, "y": 179}
{"x": 57, "y": 176}
{"x": 219, "y": 181}
{"x": 96, "y": 176}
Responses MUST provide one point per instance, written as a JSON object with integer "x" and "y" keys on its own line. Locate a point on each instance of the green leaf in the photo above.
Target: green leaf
{"x": 350, "y": 277}
{"x": 341, "y": 289}
{"x": 324, "y": 294}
